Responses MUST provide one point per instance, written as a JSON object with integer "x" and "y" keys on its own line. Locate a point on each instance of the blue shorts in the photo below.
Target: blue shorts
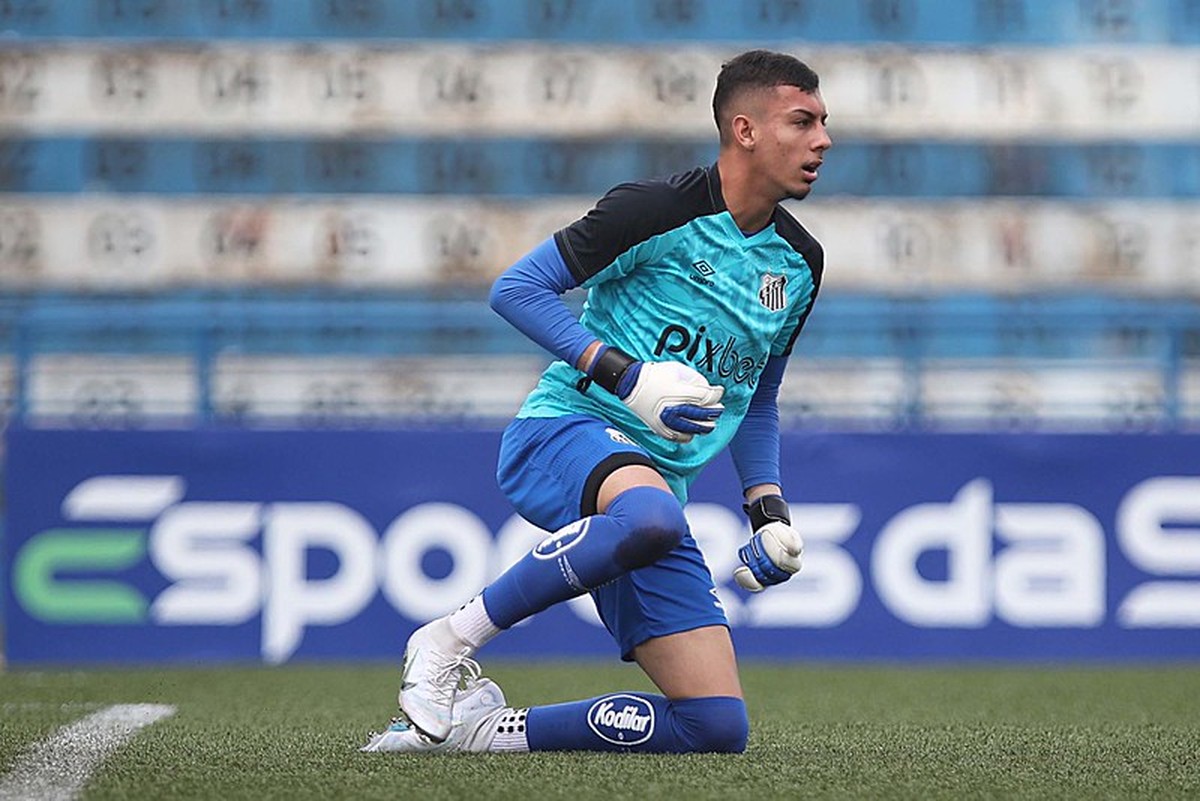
{"x": 551, "y": 469}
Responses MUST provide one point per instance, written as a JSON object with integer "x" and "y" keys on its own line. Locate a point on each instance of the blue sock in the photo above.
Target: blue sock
{"x": 640, "y": 722}
{"x": 641, "y": 525}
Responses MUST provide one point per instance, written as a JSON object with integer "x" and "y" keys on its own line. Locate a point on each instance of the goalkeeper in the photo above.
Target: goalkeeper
{"x": 697, "y": 287}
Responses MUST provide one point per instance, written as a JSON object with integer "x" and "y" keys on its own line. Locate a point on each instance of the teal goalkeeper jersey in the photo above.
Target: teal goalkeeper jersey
{"x": 670, "y": 277}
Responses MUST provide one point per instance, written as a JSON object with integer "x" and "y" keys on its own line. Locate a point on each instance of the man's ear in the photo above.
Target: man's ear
{"x": 744, "y": 132}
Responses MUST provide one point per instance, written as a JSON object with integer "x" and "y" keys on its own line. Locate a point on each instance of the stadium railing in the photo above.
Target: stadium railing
{"x": 1073, "y": 362}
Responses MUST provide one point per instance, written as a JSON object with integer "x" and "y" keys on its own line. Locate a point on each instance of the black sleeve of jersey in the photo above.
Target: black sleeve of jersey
{"x": 630, "y": 214}
{"x": 807, "y": 246}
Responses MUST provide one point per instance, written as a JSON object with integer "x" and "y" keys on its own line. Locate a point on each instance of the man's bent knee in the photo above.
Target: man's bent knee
{"x": 712, "y": 725}
{"x": 655, "y": 522}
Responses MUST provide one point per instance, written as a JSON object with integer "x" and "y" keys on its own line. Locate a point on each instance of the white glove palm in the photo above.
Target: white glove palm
{"x": 675, "y": 400}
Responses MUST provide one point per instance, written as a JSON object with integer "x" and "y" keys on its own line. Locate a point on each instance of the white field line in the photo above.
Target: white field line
{"x": 58, "y": 767}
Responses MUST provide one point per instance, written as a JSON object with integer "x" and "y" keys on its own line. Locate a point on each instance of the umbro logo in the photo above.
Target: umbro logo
{"x": 702, "y": 272}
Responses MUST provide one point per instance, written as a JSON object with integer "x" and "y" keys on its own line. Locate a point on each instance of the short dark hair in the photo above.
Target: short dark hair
{"x": 759, "y": 69}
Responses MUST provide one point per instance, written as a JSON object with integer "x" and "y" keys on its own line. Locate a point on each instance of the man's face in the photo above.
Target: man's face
{"x": 792, "y": 139}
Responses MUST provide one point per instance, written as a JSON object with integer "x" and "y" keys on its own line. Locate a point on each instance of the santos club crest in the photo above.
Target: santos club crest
{"x": 773, "y": 292}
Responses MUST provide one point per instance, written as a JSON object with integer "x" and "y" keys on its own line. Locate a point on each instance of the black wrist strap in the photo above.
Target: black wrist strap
{"x": 765, "y": 509}
{"x": 609, "y": 366}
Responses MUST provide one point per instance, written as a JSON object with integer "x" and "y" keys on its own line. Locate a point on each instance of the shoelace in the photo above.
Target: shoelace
{"x": 470, "y": 675}
{"x": 447, "y": 683}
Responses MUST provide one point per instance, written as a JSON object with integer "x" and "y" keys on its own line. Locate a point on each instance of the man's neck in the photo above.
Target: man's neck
{"x": 752, "y": 211}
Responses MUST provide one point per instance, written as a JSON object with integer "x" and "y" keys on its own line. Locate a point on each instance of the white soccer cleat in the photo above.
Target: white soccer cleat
{"x": 476, "y": 711}
{"x": 433, "y": 672}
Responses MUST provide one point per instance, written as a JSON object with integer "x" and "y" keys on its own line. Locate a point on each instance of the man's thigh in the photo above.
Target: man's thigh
{"x": 552, "y": 468}
{"x": 691, "y": 664}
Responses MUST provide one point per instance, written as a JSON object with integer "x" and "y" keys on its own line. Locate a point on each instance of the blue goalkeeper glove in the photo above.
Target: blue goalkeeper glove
{"x": 673, "y": 399}
{"x": 775, "y": 551}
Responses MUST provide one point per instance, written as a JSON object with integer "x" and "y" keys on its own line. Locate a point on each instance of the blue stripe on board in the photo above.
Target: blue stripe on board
{"x": 531, "y": 168}
{"x": 849, "y": 324}
{"x": 968, "y": 22}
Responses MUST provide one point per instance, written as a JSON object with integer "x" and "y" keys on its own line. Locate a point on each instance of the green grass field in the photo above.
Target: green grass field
{"x": 817, "y": 732}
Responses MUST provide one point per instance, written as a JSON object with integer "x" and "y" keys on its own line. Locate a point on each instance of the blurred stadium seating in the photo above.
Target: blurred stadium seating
{"x": 270, "y": 213}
